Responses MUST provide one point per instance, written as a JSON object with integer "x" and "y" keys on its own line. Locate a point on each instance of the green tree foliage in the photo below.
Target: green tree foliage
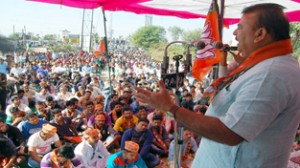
{"x": 191, "y": 35}
{"x": 6, "y": 45}
{"x": 157, "y": 51}
{"x": 148, "y": 35}
{"x": 49, "y": 37}
{"x": 14, "y": 36}
{"x": 176, "y": 32}
{"x": 295, "y": 37}
{"x": 65, "y": 48}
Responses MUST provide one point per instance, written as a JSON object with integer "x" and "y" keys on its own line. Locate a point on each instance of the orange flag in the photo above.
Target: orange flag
{"x": 207, "y": 57}
{"x": 101, "y": 49}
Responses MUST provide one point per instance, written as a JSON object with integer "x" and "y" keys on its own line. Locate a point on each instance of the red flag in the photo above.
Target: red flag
{"x": 101, "y": 49}
{"x": 208, "y": 56}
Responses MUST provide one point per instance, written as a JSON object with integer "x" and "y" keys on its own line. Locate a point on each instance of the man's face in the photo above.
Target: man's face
{"x": 156, "y": 123}
{"x": 16, "y": 101}
{"x": 92, "y": 140}
{"x": 245, "y": 34}
{"x": 45, "y": 135}
{"x": 115, "y": 98}
{"x": 142, "y": 113}
{"x": 141, "y": 126}
{"x": 90, "y": 108}
{"x": 50, "y": 103}
{"x": 118, "y": 107}
{"x": 58, "y": 116}
{"x": 129, "y": 155}
{"x": 26, "y": 88}
{"x": 20, "y": 95}
{"x": 33, "y": 120}
{"x": 71, "y": 107}
{"x": 99, "y": 122}
{"x": 187, "y": 135}
{"x": 2, "y": 127}
{"x": 127, "y": 114}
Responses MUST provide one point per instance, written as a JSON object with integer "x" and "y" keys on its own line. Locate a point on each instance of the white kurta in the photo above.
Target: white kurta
{"x": 92, "y": 157}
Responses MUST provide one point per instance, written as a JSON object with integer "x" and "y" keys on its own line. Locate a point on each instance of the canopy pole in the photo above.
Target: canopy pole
{"x": 106, "y": 50}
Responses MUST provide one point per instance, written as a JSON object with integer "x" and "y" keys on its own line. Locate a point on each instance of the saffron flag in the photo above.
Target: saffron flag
{"x": 101, "y": 48}
{"x": 208, "y": 56}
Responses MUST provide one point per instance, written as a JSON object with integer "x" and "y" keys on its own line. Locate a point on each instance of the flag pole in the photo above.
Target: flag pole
{"x": 106, "y": 50}
{"x": 220, "y": 18}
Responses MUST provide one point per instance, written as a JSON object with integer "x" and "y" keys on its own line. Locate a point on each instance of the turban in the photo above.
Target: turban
{"x": 131, "y": 146}
{"x": 91, "y": 132}
{"x": 43, "y": 84}
{"x": 98, "y": 107}
{"x": 49, "y": 129}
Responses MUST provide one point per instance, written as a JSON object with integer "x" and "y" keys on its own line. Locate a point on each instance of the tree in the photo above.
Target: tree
{"x": 191, "y": 35}
{"x": 148, "y": 36}
{"x": 295, "y": 37}
{"x": 14, "y": 36}
{"x": 64, "y": 48}
{"x": 49, "y": 37}
{"x": 6, "y": 45}
{"x": 176, "y": 32}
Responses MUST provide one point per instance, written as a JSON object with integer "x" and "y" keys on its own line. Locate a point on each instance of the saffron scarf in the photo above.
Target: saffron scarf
{"x": 276, "y": 49}
{"x": 159, "y": 137}
{"x": 55, "y": 162}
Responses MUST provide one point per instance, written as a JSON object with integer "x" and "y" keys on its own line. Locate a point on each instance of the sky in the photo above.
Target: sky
{"x": 42, "y": 19}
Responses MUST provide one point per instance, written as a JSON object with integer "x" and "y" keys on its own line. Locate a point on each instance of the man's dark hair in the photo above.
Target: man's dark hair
{"x": 66, "y": 151}
{"x": 7, "y": 147}
{"x": 74, "y": 99}
{"x": 127, "y": 108}
{"x": 21, "y": 91}
{"x": 142, "y": 108}
{"x": 49, "y": 98}
{"x": 157, "y": 117}
{"x": 70, "y": 103}
{"x": 40, "y": 103}
{"x": 30, "y": 115}
{"x": 55, "y": 111}
{"x": 143, "y": 120}
{"x": 272, "y": 18}
{"x": 89, "y": 103}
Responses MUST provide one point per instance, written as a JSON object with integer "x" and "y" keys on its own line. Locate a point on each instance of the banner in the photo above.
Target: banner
{"x": 101, "y": 48}
{"x": 208, "y": 56}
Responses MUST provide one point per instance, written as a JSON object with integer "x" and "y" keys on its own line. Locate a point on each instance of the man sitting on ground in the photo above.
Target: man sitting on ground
{"x": 128, "y": 157}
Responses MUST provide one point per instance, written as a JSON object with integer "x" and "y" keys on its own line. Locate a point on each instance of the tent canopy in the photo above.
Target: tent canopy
{"x": 179, "y": 8}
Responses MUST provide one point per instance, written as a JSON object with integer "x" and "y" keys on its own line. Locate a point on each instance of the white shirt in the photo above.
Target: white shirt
{"x": 92, "y": 157}
{"x": 42, "y": 146}
{"x": 65, "y": 97}
{"x": 21, "y": 107}
{"x": 263, "y": 107}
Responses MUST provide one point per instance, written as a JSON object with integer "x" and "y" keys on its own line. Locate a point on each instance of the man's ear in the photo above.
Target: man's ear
{"x": 260, "y": 34}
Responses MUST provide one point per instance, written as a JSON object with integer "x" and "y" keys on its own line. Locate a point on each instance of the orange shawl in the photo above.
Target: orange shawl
{"x": 55, "y": 162}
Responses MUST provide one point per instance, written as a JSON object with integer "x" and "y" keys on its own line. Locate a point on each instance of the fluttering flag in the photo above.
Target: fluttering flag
{"x": 101, "y": 48}
{"x": 208, "y": 56}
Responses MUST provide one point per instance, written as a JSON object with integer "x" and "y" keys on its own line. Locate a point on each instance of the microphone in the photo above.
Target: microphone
{"x": 165, "y": 65}
{"x": 217, "y": 45}
{"x": 201, "y": 45}
{"x": 230, "y": 48}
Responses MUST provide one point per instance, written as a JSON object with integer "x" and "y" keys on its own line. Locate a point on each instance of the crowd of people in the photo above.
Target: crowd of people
{"x": 59, "y": 112}
{"x": 62, "y": 102}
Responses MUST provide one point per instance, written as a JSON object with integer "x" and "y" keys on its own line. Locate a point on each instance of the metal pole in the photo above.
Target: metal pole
{"x": 82, "y": 29}
{"x": 91, "y": 32}
{"x": 106, "y": 50}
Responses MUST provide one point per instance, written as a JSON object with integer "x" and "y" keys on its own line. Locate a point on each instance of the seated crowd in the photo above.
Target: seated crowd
{"x": 68, "y": 121}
